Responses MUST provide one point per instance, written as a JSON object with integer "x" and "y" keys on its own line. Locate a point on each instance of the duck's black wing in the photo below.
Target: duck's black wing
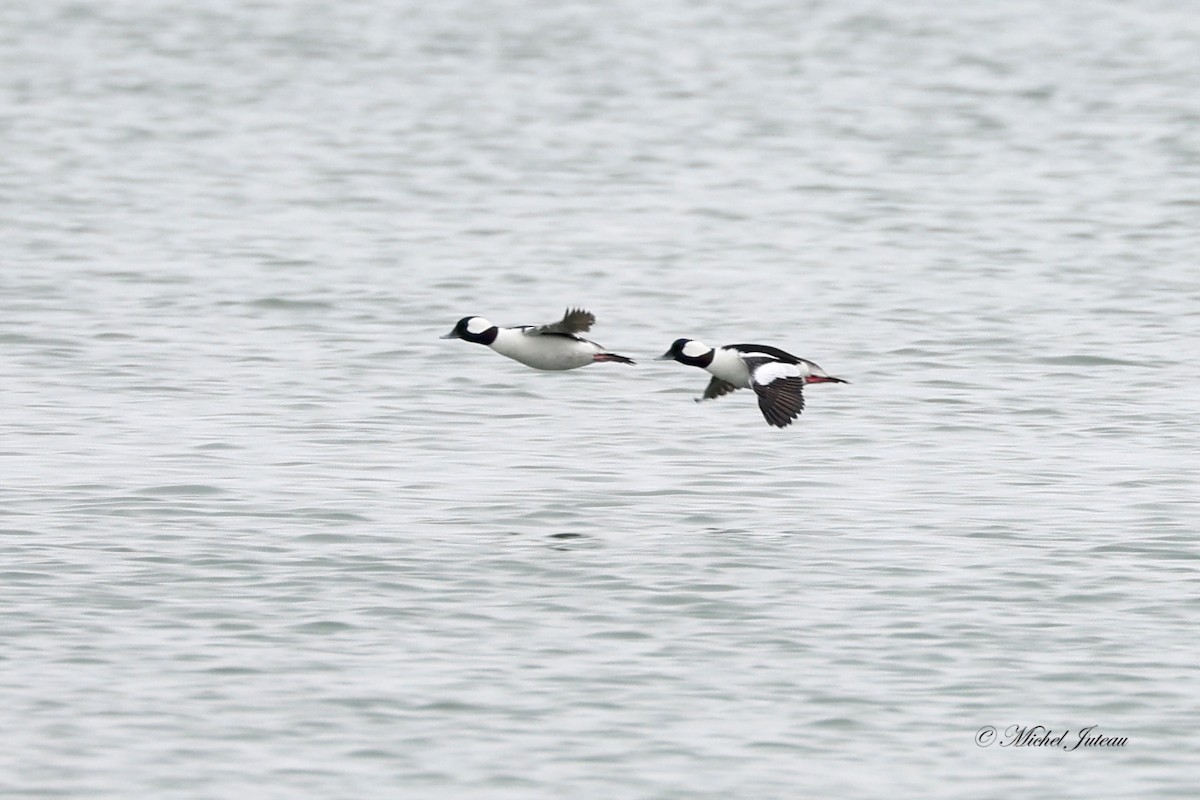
{"x": 574, "y": 322}
{"x": 780, "y": 390}
{"x": 716, "y": 388}
{"x": 764, "y": 352}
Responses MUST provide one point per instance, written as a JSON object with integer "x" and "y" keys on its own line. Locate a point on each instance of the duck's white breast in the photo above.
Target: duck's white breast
{"x": 544, "y": 352}
{"x": 728, "y": 366}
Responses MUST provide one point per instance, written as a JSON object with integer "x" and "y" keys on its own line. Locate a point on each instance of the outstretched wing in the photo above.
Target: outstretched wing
{"x": 574, "y": 322}
{"x": 780, "y": 390}
{"x": 716, "y": 388}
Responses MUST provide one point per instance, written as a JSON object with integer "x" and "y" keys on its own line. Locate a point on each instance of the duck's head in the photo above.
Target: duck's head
{"x": 690, "y": 352}
{"x": 473, "y": 329}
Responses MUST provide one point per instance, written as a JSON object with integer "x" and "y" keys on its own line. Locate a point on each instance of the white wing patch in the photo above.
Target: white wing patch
{"x": 776, "y": 370}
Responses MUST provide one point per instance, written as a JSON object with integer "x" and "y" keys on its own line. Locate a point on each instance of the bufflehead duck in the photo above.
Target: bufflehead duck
{"x": 555, "y": 346}
{"x": 777, "y": 377}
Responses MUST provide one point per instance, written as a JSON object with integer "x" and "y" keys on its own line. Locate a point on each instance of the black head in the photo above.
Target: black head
{"x": 474, "y": 329}
{"x": 690, "y": 352}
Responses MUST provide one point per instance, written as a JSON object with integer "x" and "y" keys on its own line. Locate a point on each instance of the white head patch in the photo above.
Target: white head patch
{"x": 694, "y": 349}
{"x": 477, "y": 325}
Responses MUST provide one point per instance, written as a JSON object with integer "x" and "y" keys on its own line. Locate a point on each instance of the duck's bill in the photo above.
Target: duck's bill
{"x": 665, "y": 357}
{"x": 451, "y": 335}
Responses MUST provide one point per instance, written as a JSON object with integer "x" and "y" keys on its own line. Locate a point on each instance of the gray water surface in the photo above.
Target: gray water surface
{"x": 265, "y": 535}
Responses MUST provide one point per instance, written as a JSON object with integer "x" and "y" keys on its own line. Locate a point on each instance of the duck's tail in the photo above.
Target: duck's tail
{"x": 613, "y": 357}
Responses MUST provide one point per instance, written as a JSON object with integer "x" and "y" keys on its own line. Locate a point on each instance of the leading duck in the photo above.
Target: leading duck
{"x": 556, "y": 346}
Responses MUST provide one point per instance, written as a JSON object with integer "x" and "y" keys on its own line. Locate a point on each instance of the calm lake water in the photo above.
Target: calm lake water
{"x": 265, "y": 535}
